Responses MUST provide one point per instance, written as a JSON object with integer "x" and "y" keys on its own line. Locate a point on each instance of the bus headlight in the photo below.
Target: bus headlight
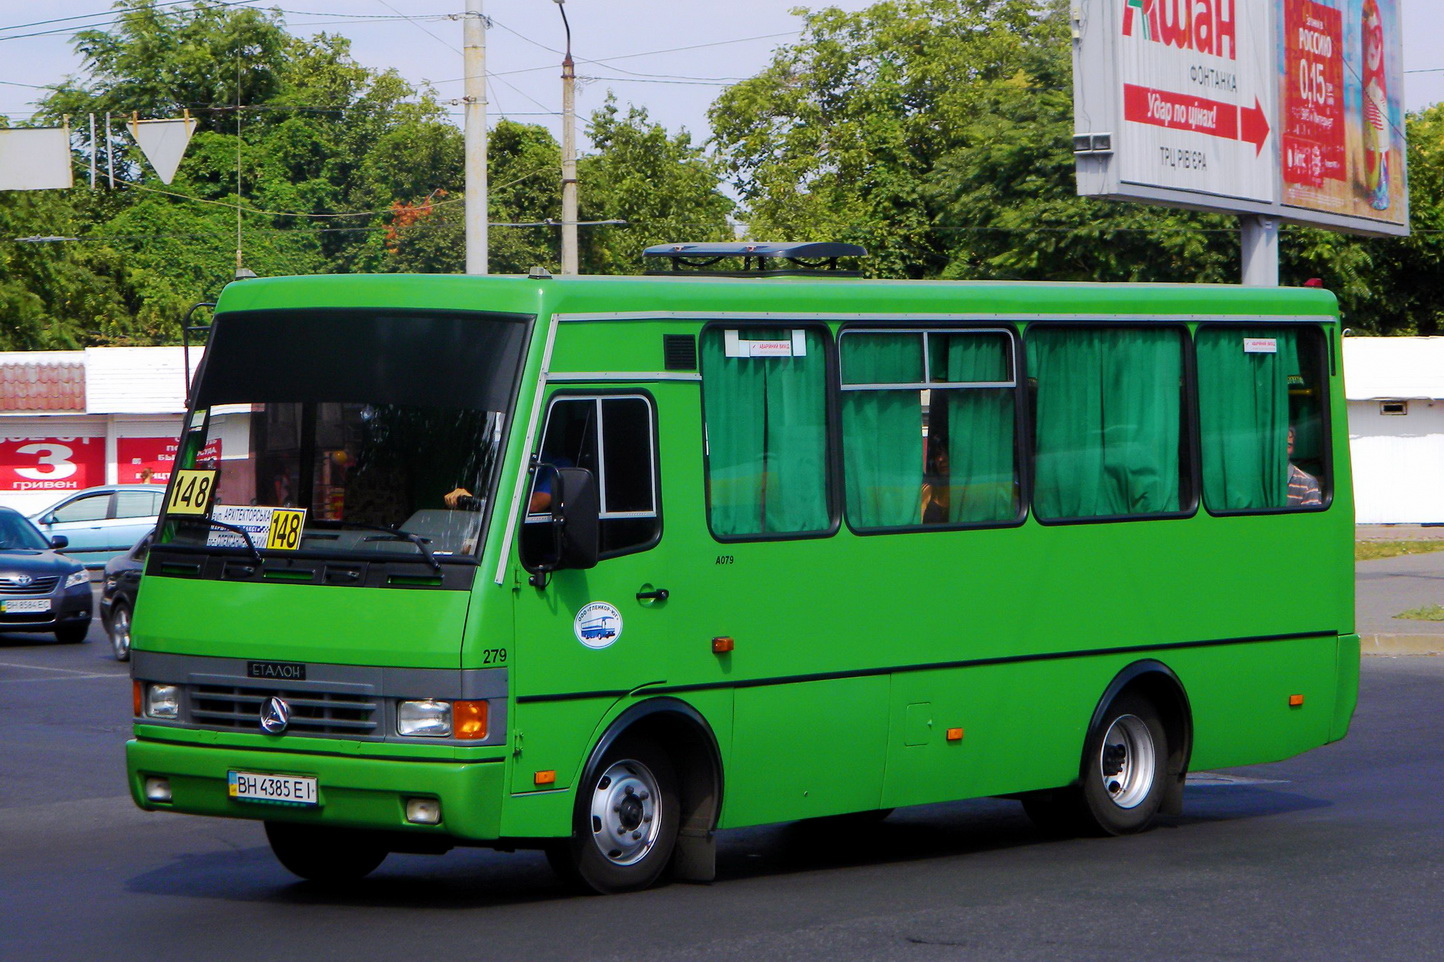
{"x": 426, "y": 718}
{"x": 162, "y": 701}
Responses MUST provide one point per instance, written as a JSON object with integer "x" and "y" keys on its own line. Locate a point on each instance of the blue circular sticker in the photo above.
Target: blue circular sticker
{"x": 598, "y": 625}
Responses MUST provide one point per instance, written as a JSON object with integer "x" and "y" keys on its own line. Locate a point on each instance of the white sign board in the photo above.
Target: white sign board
{"x": 1286, "y": 108}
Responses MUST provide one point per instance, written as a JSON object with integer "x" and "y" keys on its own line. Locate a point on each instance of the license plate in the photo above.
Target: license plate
{"x": 272, "y": 789}
{"x": 24, "y": 605}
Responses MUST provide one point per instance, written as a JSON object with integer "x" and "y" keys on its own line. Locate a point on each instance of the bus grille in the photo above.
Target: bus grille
{"x": 312, "y": 712}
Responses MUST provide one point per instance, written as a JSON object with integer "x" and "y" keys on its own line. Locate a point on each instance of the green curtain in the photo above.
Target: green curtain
{"x": 1108, "y": 421}
{"x": 882, "y": 431}
{"x": 980, "y": 425}
{"x": 766, "y": 437}
{"x": 1244, "y": 417}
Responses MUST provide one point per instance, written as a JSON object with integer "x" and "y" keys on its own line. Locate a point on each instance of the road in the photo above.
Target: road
{"x": 1335, "y": 854}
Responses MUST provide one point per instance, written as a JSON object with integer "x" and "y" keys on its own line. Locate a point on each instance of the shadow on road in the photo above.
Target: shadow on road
{"x": 481, "y": 878}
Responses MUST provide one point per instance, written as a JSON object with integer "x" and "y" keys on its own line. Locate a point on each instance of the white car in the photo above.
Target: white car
{"x": 102, "y": 522}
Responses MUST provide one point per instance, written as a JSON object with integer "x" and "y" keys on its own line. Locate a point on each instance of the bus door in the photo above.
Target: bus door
{"x": 586, "y": 638}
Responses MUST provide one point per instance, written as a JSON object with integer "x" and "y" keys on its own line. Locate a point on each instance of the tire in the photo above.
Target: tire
{"x": 120, "y": 632}
{"x": 626, "y": 820}
{"x": 72, "y": 634}
{"x": 1125, "y": 764}
{"x": 323, "y": 854}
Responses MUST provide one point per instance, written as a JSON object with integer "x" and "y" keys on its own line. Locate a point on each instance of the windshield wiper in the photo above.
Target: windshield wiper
{"x": 245, "y": 535}
{"x": 394, "y": 534}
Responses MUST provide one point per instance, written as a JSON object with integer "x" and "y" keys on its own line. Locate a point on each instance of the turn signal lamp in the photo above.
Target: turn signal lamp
{"x": 545, "y": 778}
{"x": 469, "y": 718}
{"x": 722, "y": 645}
{"x": 136, "y": 699}
{"x": 955, "y": 734}
{"x": 1296, "y": 701}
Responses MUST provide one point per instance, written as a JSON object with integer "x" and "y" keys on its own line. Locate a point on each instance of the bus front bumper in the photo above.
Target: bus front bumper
{"x": 366, "y": 793}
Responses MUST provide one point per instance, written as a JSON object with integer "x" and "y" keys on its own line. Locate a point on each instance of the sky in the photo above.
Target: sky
{"x": 671, "y": 57}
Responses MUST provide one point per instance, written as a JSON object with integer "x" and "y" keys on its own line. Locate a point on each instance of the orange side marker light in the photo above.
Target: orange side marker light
{"x": 1296, "y": 701}
{"x": 545, "y": 778}
{"x": 955, "y": 734}
{"x": 721, "y": 645}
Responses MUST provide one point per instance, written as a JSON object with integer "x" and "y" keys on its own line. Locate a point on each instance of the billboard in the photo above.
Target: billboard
{"x": 51, "y": 464}
{"x": 1286, "y": 108}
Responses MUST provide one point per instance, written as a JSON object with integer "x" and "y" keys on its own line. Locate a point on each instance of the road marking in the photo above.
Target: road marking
{"x": 1220, "y": 780}
{"x": 62, "y": 674}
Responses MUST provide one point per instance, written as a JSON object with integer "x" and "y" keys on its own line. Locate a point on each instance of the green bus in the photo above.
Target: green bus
{"x": 603, "y": 565}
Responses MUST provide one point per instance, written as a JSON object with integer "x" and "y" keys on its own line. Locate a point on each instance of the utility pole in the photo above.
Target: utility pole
{"x": 474, "y": 60}
{"x": 569, "y": 154}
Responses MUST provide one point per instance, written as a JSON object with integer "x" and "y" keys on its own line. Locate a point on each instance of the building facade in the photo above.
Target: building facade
{"x": 75, "y": 419}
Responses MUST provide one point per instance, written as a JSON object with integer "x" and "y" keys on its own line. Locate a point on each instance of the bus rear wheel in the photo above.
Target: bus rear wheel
{"x": 626, "y": 821}
{"x": 320, "y": 853}
{"x": 1125, "y": 762}
{"x": 1121, "y": 777}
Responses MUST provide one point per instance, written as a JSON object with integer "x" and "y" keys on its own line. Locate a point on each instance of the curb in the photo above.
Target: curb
{"x": 1401, "y": 644}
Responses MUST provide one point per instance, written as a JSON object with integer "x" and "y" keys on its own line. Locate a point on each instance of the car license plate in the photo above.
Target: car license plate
{"x": 24, "y": 605}
{"x": 273, "y": 789}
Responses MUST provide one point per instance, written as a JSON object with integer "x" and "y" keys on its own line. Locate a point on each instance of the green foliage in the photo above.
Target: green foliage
{"x": 1388, "y": 285}
{"x": 333, "y": 168}
{"x": 664, "y": 187}
{"x": 937, "y": 133}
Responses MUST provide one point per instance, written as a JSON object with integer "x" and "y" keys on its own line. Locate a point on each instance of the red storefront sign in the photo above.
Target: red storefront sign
{"x": 51, "y": 464}
{"x": 149, "y": 460}
{"x": 1313, "y": 108}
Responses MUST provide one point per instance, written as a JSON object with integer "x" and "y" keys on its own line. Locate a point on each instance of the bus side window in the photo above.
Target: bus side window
{"x": 1261, "y": 396}
{"x": 764, "y": 398}
{"x": 612, "y": 437}
{"x": 1109, "y": 422}
{"x": 963, "y": 469}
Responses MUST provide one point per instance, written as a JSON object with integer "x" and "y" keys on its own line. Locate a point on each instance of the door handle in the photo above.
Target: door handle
{"x": 660, "y": 594}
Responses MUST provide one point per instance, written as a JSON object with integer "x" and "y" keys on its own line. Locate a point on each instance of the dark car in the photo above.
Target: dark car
{"x": 39, "y": 589}
{"x": 117, "y": 595}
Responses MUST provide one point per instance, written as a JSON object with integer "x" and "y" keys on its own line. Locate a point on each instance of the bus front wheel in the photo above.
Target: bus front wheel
{"x": 320, "y": 853}
{"x": 626, "y": 820}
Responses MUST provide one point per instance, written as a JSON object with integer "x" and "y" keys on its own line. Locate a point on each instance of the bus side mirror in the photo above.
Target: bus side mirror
{"x": 576, "y": 518}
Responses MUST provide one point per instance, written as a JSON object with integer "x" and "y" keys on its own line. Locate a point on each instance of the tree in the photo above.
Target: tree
{"x": 664, "y": 187}
{"x": 938, "y": 134}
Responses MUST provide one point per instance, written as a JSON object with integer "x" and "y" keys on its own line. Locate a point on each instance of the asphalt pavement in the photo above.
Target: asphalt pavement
{"x": 1387, "y": 587}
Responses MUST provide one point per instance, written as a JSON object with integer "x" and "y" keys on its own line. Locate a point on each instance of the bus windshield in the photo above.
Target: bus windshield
{"x": 386, "y": 428}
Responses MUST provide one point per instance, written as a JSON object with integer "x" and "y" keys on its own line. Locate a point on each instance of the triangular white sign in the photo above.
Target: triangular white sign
{"x": 163, "y": 142}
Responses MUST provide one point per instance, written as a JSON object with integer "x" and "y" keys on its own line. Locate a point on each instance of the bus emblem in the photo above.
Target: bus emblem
{"x": 275, "y": 716}
{"x": 598, "y": 625}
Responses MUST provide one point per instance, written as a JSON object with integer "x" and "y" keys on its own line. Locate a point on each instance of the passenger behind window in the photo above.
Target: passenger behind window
{"x": 936, "y": 494}
{"x": 1303, "y": 487}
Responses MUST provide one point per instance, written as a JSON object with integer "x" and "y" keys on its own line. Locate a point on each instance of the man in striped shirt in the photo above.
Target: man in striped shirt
{"x": 1303, "y": 487}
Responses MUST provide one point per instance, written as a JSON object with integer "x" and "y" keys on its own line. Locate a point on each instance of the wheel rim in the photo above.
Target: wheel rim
{"x": 624, "y": 815}
{"x": 1126, "y": 761}
{"x": 120, "y": 632}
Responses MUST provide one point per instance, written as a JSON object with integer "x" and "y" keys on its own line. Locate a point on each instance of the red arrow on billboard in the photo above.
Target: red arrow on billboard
{"x": 1163, "y": 108}
{"x": 1254, "y": 126}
